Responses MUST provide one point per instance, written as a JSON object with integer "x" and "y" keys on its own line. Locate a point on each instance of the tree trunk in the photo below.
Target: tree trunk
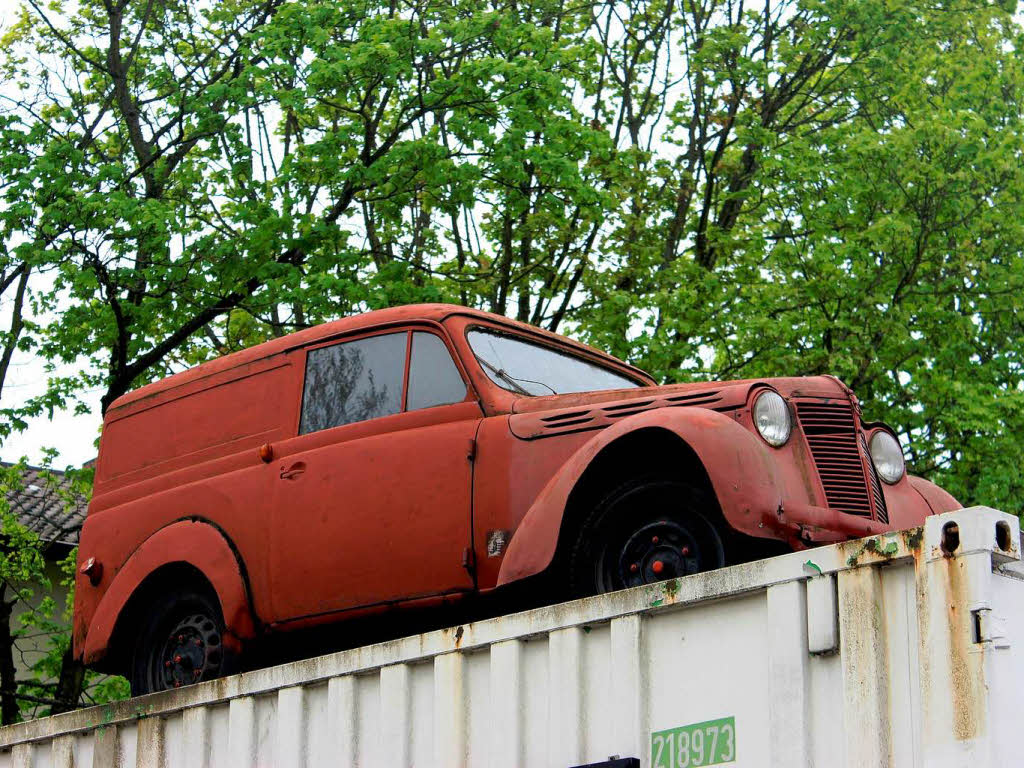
{"x": 8, "y": 684}
{"x": 69, "y": 684}
{"x": 17, "y": 324}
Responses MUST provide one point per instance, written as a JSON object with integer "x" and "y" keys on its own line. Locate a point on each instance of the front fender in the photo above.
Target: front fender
{"x": 937, "y": 499}
{"x": 207, "y": 550}
{"x": 742, "y": 473}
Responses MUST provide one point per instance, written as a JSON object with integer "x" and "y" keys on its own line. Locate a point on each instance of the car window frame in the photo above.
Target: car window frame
{"x": 366, "y": 333}
{"x": 452, "y": 354}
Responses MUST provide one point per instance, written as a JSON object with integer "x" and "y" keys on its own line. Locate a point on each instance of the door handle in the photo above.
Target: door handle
{"x": 293, "y": 471}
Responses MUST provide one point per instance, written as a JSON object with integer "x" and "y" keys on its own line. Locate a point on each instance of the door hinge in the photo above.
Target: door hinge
{"x": 469, "y": 560}
{"x": 471, "y": 449}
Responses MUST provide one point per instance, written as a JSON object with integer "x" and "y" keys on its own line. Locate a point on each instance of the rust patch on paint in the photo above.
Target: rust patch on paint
{"x": 966, "y": 681}
{"x": 913, "y": 537}
{"x": 882, "y": 548}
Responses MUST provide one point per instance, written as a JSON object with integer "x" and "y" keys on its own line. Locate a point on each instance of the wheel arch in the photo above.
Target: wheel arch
{"x": 177, "y": 575}
{"x": 699, "y": 445}
{"x": 646, "y": 452}
{"x": 213, "y": 565}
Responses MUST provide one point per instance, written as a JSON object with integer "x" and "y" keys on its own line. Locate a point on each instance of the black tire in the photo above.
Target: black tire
{"x": 645, "y": 531}
{"x": 180, "y": 641}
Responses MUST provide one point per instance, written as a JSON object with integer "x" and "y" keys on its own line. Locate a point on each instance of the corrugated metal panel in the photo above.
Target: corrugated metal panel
{"x": 878, "y": 652}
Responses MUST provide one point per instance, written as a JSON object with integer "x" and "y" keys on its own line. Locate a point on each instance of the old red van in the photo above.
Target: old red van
{"x": 435, "y": 451}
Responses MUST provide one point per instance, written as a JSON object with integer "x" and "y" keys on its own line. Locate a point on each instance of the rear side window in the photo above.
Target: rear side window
{"x": 353, "y": 381}
{"x": 433, "y": 377}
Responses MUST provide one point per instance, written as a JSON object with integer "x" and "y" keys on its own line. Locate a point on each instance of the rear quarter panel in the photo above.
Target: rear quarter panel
{"x": 189, "y": 453}
{"x": 207, "y": 549}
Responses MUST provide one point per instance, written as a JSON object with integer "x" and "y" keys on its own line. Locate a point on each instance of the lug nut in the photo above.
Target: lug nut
{"x": 685, "y": 551}
{"x": 198, "y": 641}
{"x": 197, "y": 673}
{"x": 177, "y": 659}
{"x": 181, "y": 638}
{"x": 634, "y": 568}
{"x": 167, "y": 664}
{"x": 654, "y": 540}
{"x": 657, "y": 566}
{"x": 177, "y": 683}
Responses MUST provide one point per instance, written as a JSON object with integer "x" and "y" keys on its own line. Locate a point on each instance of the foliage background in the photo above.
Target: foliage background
{"x": 707, "y": 188}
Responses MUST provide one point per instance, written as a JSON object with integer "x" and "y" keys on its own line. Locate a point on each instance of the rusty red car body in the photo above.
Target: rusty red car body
{"x": 209, "y": 478}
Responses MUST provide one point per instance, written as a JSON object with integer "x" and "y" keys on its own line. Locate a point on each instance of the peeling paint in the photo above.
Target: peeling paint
{"x": 913, "y": 538}
{"x": 885, "y": 547}
{"x": 888, "y": 549}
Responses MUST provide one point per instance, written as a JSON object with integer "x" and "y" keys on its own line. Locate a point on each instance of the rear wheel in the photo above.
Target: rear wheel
{"x": 643, "y": 532}
{"x": 180, "y": 642}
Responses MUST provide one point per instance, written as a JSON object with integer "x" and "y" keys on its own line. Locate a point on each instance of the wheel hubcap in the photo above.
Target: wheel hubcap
{"x": 659, "y": 550}
{"x": 192, "y": 652}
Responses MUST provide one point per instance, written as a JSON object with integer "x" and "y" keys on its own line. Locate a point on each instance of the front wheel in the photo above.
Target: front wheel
{"x": 180, "y": 642}
{"x": 643, "y": 532}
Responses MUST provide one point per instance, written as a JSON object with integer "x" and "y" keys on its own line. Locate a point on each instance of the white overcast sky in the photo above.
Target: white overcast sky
{"x": 72, "y": 436}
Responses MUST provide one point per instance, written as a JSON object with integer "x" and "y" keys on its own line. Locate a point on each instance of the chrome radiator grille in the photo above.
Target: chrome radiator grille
{"x": 831, "y": 432}
{"x": 881, "y": 512}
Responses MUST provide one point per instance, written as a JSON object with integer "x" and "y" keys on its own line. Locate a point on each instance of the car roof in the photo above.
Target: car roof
{"x": 353, "y": 323}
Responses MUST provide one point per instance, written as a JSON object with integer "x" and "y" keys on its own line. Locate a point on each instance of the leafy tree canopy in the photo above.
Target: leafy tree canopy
{"x": 705, "y": 188}
{"x": 708, "y": 188}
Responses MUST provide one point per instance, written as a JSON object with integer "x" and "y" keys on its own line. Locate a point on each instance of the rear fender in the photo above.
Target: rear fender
{"x": 208, "y": 550}
{"x": 739, "y": 466}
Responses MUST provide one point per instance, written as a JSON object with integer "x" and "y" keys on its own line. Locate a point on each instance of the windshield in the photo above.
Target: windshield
{"x": 530, "y": 369}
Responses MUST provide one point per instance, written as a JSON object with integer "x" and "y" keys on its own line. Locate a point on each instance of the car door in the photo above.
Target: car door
{"x": 373, "y": 495}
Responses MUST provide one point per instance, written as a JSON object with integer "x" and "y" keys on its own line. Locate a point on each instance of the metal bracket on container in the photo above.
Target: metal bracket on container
{"x": 989, "y": 628}
{"x": 975, "y": 529}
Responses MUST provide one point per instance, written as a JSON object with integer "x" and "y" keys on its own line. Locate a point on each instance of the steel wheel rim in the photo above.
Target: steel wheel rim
{"x": 191, "y": 652}
{"x": 658, "y": 550}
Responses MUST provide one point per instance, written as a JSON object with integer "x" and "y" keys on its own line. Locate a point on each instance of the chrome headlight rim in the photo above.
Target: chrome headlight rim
{"x": 887, "y": 456}
{"x": 772, "y": 419}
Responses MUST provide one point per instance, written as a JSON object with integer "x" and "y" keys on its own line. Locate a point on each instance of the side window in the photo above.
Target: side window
{"x": 353, "y": 381}
{"x": 433, "y": 377}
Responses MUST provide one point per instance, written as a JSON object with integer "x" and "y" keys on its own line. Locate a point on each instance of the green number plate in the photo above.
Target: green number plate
{"x": 709, "y": 743}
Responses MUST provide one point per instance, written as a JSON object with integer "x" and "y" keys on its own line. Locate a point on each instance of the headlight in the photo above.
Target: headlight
{"x": 887, "y": 457}
{"x": 771, "y": 415}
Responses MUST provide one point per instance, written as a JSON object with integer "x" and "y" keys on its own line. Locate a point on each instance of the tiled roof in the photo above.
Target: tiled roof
{"x": 47, "y": 505}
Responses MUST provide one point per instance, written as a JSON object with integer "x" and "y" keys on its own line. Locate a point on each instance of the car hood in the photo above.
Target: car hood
{"x": 538, "y": 417}
{"x": 724, "y": 392}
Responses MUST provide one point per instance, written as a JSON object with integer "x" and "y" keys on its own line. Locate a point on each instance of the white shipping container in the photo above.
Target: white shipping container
{"x": 905, "y": 649}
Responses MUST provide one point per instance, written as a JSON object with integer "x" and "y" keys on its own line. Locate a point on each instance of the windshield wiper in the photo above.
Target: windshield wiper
{"x": 512, "y": 381}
